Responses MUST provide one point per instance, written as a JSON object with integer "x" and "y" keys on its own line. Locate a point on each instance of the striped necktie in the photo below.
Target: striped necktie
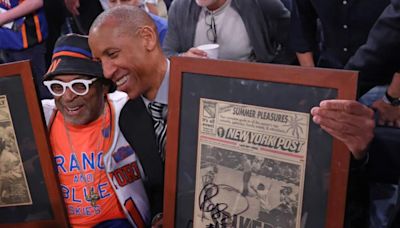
{"x": 158, "y": 113}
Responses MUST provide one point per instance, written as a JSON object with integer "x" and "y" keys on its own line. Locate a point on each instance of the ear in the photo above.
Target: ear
{"x": 149, "y": 37}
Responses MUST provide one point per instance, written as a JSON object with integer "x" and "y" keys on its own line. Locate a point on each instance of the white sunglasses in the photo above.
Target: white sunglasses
{"x": 78, "y": 86}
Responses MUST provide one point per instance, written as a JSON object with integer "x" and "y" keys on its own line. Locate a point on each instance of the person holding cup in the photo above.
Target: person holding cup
{"x": 210, "y": 50}
{"x": 246, "y": 30}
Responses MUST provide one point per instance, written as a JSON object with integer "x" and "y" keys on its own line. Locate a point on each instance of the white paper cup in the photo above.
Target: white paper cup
{"x": 210, "y": 49}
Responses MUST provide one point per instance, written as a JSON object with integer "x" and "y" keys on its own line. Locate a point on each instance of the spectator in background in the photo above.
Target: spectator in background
{"x": 151, "y": 6}
{"x": 84, "y": 12}
{"x": 22, "y": 34}
{"x": 156, "y": 7}
{"x": 245, "y": 29}
{"x": 345, "y": 26}
{"x": 161, "y": 23}
{"x": 54, "y": 9}
{"x": 162, "y": 9}
{"x": 377, "y": 60}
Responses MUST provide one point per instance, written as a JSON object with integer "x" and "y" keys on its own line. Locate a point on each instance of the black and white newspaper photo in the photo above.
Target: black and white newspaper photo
{"x": 14, "y": 190}
{"x": 250, "y": 166}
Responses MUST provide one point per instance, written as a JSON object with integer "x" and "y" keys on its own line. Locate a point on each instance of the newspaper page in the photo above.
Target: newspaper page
{"x": 14, "y": 190}
{"x": 250, "y": 166}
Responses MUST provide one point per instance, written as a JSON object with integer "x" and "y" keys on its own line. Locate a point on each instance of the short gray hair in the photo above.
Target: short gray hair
{"x": 127, "y": 18}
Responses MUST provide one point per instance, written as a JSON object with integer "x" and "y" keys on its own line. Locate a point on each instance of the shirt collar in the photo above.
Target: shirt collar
{"x": 162, "y": 93}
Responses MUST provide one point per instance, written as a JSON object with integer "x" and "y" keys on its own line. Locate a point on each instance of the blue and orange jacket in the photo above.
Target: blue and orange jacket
{"x": 27, "y": 31}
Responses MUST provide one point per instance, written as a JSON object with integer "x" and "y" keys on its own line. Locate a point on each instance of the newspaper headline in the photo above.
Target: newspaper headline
{"x": 250, "y": 165}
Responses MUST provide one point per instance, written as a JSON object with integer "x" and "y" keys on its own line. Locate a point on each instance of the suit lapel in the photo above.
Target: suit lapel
{"x": 137, "y": 127}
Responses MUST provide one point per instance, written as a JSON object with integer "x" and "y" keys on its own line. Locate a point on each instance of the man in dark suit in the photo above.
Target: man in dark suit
{"x": 125, "y": 40}
{"x": 377, "y": 60}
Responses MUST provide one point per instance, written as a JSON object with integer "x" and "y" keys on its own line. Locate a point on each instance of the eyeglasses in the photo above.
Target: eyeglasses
{"x": 78, "y": 86}
{"x": 212, "y": 30}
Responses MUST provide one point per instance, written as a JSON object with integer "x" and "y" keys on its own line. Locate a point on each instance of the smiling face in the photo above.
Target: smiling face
{"x": 124, "y": 58}
{"x": 80, "y": 110}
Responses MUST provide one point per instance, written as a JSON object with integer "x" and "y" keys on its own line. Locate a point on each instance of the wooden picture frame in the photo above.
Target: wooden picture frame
{"x": 29, "y": 191}
{"x": 274, "y": 88}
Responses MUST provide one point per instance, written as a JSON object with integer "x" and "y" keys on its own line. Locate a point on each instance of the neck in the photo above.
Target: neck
{"x": 216, "y": 5}
{"x": 158, "y": 76}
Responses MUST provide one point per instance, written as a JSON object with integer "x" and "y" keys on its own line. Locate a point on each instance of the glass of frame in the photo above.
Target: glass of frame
{"x": 242, "y": 149}
{"x": 29, "y": 188}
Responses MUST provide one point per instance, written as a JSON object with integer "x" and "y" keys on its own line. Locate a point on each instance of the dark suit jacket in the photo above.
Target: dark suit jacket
{"x": 137, "y": 127}
{"x": 379, "y": 58}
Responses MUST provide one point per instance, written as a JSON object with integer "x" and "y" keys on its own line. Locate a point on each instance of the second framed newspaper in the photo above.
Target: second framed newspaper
{"x": 242, "y": 150}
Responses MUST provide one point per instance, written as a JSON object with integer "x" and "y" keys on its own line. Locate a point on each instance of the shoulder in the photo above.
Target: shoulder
{"x": 48, "y": 103}
{"x": 118, "y": 96}
{"x": 49, "y": 107}
{"x": 131, "y": 108}
{"x": 273, "y": 8}
{"x": 134, "y": 110}
{"x": 178, "y": 5}
{"x": 118, "y": 100}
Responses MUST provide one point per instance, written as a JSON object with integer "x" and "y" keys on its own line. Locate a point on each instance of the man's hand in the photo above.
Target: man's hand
{"x": 195, "y": 52}
{"x": 346, "y": 120}
{"x": 388, "y": 114}
{"x": 72, "y": 6}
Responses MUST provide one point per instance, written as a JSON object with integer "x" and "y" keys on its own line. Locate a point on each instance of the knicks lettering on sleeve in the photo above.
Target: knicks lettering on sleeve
{"x": 126, "y": 174}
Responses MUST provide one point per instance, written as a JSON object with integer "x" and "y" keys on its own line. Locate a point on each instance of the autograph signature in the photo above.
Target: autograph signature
{"x": 219, "y": 211}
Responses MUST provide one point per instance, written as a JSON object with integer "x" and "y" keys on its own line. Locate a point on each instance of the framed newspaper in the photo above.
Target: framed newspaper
{"x": 29, "y": 189}
{"x": 242, "y": 149}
